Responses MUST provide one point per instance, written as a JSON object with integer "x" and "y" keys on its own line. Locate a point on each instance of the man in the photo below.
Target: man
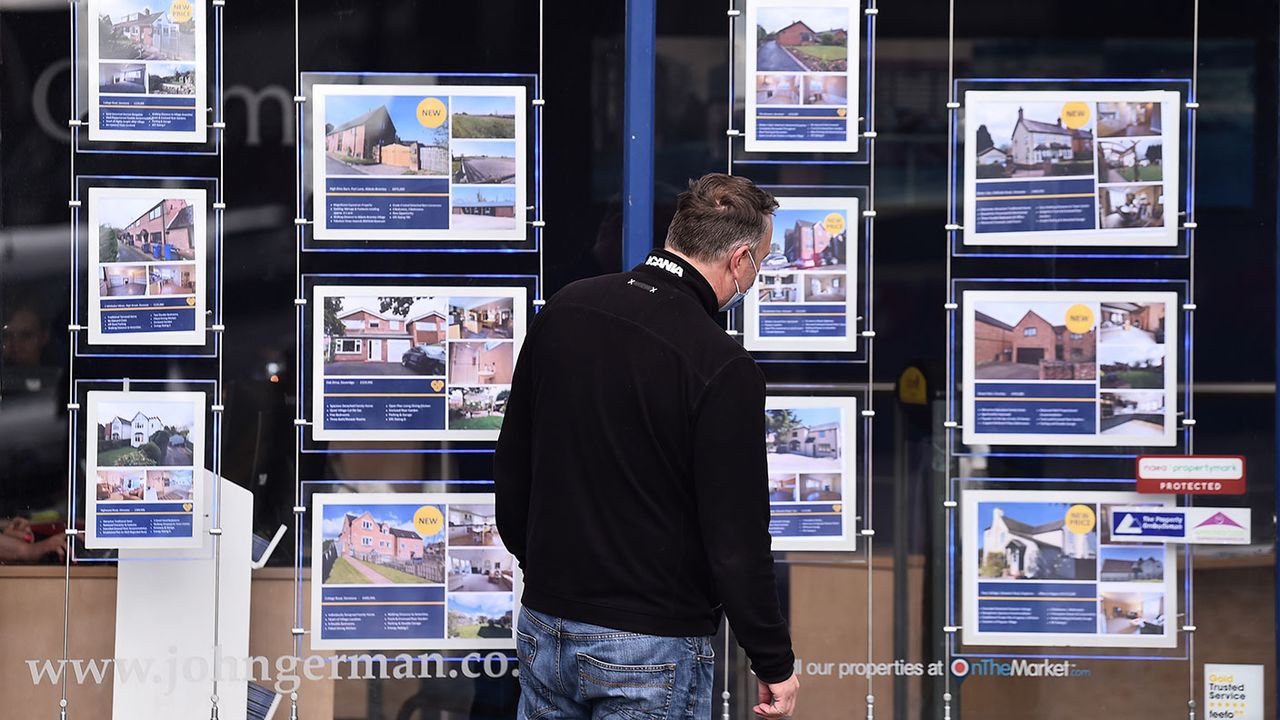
{"x": 631, "y": 479}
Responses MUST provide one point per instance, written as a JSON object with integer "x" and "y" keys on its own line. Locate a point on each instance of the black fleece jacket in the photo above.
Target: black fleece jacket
{"x": 630, "y": 472}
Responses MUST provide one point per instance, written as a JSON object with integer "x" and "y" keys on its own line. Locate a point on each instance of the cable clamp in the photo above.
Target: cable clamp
{"x": 217, "y": 408}
{"x": 299, "y": 301}
{"x": 219, "y": 3}
{"x": 300, "y": 422}
{"x": 868, "y": 213}
{"x": 868, "y": 413}
{"x": 733, "y": 132}
{"x": 952, "y": 227}
{"x": 217, "y": 328}
{"x": 73, "y": 407}
{"x": 1190, "y": 225}
{"x": 868, "y": 333}
{"x": 73, "y": 203}
{"x": 218, "y": 125}
{"x": 219, "y": 206}
{"x": 1188, "y": 306}
{"x": 734, "y": 13}
{"x": 1189, "y": 628}
{"x": 951, "y": 424}
{"x": 539, "y": 303}
{"x": 732, "y": 332}
{"x": 298, "y": 631}
{"x": 951, "y": 629}
{"x": 950, "y": 306}
{"x": 75, "y": 328}
{"x": 872, "y": 11}
{"x": 538, "y": 223}
{"x": 868, "y": 532}
{"x": 950, "y": 504}
{"x": 953, "y": 105}
{"x": 299, "y": 509}
{"x": 1188, "y": 421}
{"x": 75, "y": 123}
{"x": 215, "y": 531}
{"x": 1193, "y": 106}
{"x": 538, "y": 102}
{"x": 870, "y": 134}
{"x": 299, "y": 99}
{"x": 72, "y": 532}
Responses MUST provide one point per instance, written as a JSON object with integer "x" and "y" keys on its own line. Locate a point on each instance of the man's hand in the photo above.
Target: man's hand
{"x": 777, "y": 700}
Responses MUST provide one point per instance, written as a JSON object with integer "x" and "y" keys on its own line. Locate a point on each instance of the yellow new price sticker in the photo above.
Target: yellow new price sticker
{"x": 428, "y": 520}
{"x": 181, "y": 11}
{"x": 1075, "y": 115}
{"x": 1081, "y": 519}
{"x": 1079, "y": 318}
{"x": 834, "y": 223}
{"x": 432, "y": 113}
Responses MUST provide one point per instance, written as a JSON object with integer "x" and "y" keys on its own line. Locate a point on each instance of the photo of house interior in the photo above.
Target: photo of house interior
{"x": 378, "y": 545}
{"x": 820, "y": 487}
{"x": 1131, "y": 613}
{"x": 473, "y": 525}
{"x": 782, "y": 488}
{"x": 1130, "y": 161}
{"x": 122, "y": 280}
{"x": 1133, "y": 412}
{"x": 1131, "y": 323}
{"x": 120, "y": 485}
{"x": 1030, "y": 341}
{"x": 774, "y": 288}
{"x": 481, "y": 570}
{"x": 169, "y": 484}
{"x": 122, "y": 78}
{"x": 1131, "y": 206}
{"x": 1129, "y": 119}
{"x": 172, "y": 279}
{"x": 1031, "y": 541}
{"x": 480, "y": 318}
{"x": 825, "y": 287}
{"x": 480, "y": 615}
{"x": 481, "y": 363}
{"x": 778, "y": 89}
{"x": 826, "y": 90}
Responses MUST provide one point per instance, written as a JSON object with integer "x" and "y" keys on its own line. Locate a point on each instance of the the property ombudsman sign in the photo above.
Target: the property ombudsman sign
{"x": 1233, "y": 692}
{"x": 1194, "y": 525}
{"x": 1191, "y": 474}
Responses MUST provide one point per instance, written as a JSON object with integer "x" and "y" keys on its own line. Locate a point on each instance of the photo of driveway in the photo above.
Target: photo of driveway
{"x": 366, "y": 368}
{"x": 772, "y": 57}
{"x": 784, "y": 462}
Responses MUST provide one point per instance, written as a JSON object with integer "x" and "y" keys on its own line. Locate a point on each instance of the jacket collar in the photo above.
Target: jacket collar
{"x": 663, "y": 264}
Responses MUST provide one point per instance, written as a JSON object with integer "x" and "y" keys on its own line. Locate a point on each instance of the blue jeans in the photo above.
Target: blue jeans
{"x": 575, "y": 671}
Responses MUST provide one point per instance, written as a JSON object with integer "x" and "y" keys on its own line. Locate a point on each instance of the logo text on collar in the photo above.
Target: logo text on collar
{"x": 665, "y": 264}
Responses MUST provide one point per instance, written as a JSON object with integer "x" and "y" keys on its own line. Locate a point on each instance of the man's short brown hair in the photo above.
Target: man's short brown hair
{"x": 718, "y": 214}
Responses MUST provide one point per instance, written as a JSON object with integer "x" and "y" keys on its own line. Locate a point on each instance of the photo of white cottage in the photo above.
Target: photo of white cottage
{"x": 1036, "y": 545}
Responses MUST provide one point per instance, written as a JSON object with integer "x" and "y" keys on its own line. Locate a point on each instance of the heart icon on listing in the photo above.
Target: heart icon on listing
{"x": 437, "y": 385}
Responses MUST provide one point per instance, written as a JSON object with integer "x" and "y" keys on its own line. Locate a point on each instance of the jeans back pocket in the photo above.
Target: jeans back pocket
{"x": 636, "y": 691}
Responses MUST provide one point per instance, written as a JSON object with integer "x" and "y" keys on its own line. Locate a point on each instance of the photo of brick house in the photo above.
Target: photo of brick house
{"x": 799, "y": 38}
{"x": 802, "y": 240}
{"x": 159, "y": 230}
{"x": 1031, "y": 348}
{"x": 491, "y": 207}
{"x": 380, "y": 135}
{"x": 1029, "y": 140}
{"x": 377, "y": 545}
{"x": 133, "y": 30}
{"x": 360, "y": 136}
{"x": 363, "y": 339}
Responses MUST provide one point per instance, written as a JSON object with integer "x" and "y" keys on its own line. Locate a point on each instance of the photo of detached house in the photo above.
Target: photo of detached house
{"x": 1127, "y": 323}
{"x": 1131, "y": 206}
{"x": 476, "y": 116}
{"x": 480, "y": 615}
{"x": 483, "y": 162}
{"x": 477, "y": 408}
{"x": 122, "y": 78}
{"x": 1132, "y": 564}
{"x": 1128, "y": 119}
{"x": 171, "y": 79}
{"x": 782, "y": 488}
{"x": 802, "y": 239}
{"x": 169, "y": 485}
{"x": 1130, "y": 161}
{"x": 381, "y": 135}
{"x": 804, "y": 440}
{"x": 1018, "y": 341}
{"x": 1029, "y": 140}
{"x": 474, "y": 525}
{"x": 177, "y": 279}
{"x": 778, "y": 89}
{"x": 134, "y": 30}
{"x": 122, "y": 280}
{"x": 799, "y": 38}
{"x": 822, "y": 487}
{"x": 483, "y": 208}
{"x": 373, "y": 335}
{"x": 480, "y": 318}
{"x": 481, "y": 363}
{"x": 138, "y": 434}
{"x": 378, "y": 545}
{"x": 120, "y": 485}
{"x": 1131, "y": 613}
{"x": 772, "y": 288}
{"x": 1030, "y": 541}
{"x": 132, "y": 229}
{"x": 1131, "y": 366}
{"x": 1133, "y": 412}
{"x": 481, "y": 570}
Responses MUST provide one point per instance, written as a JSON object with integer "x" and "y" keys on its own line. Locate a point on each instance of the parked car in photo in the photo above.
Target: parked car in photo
{"x": 424, "y": 359}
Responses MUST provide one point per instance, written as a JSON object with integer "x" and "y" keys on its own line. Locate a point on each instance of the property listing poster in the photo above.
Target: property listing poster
{"x": 146, "y": 266}
{"x": 811, "y": 451}
{"x": 410, "y": 571}
{"x": 1070, "y": 368}
{"x": 418, "y": 162}
{"x": 1071, "y": 168}
{"x": 1039, "y": 568}
{"x": 147, "y": 70}
{"x": 801, "y": 80}
{"x": 413, "y": 362}
{"x": 805, "y": 298}
{"x": 144, "y": 474}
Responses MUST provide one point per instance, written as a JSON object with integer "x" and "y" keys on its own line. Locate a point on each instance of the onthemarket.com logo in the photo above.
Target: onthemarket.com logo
{"x": 285, "y": 674}
{"x": 990, "y": 667}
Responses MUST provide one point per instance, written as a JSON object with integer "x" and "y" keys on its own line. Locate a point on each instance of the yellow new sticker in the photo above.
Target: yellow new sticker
{"x": 1081, "y": 519}
{"x": 432, "y": 113}
{"x": 912, "y": 387}
{"x": 181, "y": 11}
{"x": 1075, "y": 115}
{"x": 1079, "y": 318}
{"x": 428, "y": 520}
{"x": 834, "y": 223}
